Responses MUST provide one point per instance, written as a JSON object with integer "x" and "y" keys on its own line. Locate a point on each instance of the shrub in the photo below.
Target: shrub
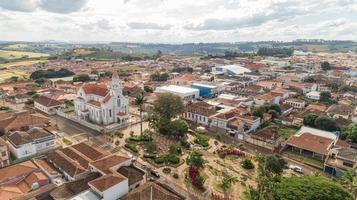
{"x": 151, "y": 156}
{"x": 196, "y": 179}
{"x": 175, "y": 149}
{"x": 202, "y": 140}
{"x": 173, "y": 159}
{"x": 175, "y": 175}
{"x": 219, "y": 136}
{"x": 247, "y": 164}
{"x": 168, "y": 159}
{"x": 159, "y": 159}
{"x": 139, "y": 138}
{"x": 132, "y": 147}
{"x": 66, "y": 141}
{"x": 117, "y": 143}
{"x": 151, "y": 147}
{"x": 166, "y": 170}
{"x": 184, "y": 143}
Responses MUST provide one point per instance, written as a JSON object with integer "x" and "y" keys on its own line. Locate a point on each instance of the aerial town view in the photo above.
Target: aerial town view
{"x": 178, "y": 100}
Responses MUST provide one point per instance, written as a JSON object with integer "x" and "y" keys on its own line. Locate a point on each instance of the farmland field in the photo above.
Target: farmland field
{"x": 21, "y": 63}
{"x": 4, "y": 75}
{"x": 16, "y": 46}
{"x": 11, "y": 55}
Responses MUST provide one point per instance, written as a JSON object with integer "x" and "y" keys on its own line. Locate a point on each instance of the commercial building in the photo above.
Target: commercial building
{"x": 230, "y": 70}
{"x": 184, "y": 92}
{"x": 207, "y": 91}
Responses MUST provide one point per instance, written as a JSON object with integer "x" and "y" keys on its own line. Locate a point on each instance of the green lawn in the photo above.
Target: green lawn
{"x": 286, "y": 132}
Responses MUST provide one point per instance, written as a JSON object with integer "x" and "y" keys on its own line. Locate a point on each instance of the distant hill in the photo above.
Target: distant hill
{"x": 118, "y": 49}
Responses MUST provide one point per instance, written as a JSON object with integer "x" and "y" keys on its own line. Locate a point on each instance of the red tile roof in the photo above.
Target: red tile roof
{"x": 108, "y": 162}
{"x": 97, "y": 89}
{"x": 94, "y": 103}
{"x": 106, "y": 182}
{"x": 311, "y": 142}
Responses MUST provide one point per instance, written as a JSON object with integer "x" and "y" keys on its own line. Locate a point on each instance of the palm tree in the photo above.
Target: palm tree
{"x": 139, "y": 101}
{"x": 227, "y": 182}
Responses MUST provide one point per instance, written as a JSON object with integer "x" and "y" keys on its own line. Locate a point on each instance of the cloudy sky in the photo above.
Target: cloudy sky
{"x": 177, "y": 21}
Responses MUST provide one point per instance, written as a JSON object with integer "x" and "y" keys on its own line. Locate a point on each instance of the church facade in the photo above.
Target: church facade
{"x": 102, "y": 104}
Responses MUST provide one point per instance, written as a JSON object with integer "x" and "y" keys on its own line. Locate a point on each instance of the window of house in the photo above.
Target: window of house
{"x": 3, "y": 153}
{"x": 348, "y": 164}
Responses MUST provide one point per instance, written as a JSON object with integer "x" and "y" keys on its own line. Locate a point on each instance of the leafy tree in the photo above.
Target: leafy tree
{"x": 81, "y": 78}
{"x": 325, "y": 66}
{"x": 139, "y": 101}
{"x": 326, "y": 124}
{"x": 278, "y": 52}
{"x": 159, "y": 76}
{"x": 178, "y": 127}
{"x": 195, "y": 159}
{"x": 349, "y": 180}
{"x": 50, "y": 73}
{"x": 226, "y": 183}
{"x": 311, "y": 187}
{"x": 14, "y": 79}
{"x": 273, "y": 113}
{"x": 351, "y": 133}
{"x": 40, "y": 81}
{"x": 275, "y": 165}
{"x": 325, "y": 97}
{"x": 309, "y": 119}
{"x": 247, "y": 164}
{"x": 175, "y": 149}
{"x": 168, "y": 106}
{"x": 148, "y": 89}
{"x": 158, "y": 54}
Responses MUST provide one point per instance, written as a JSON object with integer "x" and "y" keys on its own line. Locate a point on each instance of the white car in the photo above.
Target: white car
{"x": 296, "y": 168}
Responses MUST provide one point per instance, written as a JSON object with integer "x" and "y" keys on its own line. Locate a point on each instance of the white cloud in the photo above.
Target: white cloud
{"x": 177, "y": 21}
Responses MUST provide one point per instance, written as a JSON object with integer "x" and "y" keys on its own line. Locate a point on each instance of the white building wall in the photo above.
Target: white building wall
{"x": 117, "y": 191}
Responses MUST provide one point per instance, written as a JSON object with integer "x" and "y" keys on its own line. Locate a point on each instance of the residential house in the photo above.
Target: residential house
{"x": 71, "y": 189}
{"x": 220, "y": 121}
{"x": 153, "y": 190}
{"x": 199, "y": 112}
{"x": 313, "y": 95}
{"x": 267, "y": 84}
{"x": 27, "y": 143}
{"x": 48, "y": 105}
{"x": 251, "y": 122}
{"x": 296, "y": 103}
{"x": 312, "y": 142}
{"x": 19, "y": 179}
{"x": 341, "y": 111}
{"x": 20, "y": 121}
{"x": 283, "y": 93}
{"x": 340, "y": 159}
{"x": 4, "y": 154}
{"x": 269, "y": 98}
{"x": 20, "y": 98}
{"x": 267, "y": 138}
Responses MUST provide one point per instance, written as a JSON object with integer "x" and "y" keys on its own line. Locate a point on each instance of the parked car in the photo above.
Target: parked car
{"x": 296, "y": 168}
{"x": 155, "y": 173}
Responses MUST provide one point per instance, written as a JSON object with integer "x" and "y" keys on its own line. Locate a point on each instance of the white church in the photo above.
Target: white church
{"x": 103, "y": 105}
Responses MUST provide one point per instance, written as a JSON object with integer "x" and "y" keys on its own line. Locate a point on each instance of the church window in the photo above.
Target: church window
{"x": 110, "y": 112}
{"x": 118, "y": 102}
